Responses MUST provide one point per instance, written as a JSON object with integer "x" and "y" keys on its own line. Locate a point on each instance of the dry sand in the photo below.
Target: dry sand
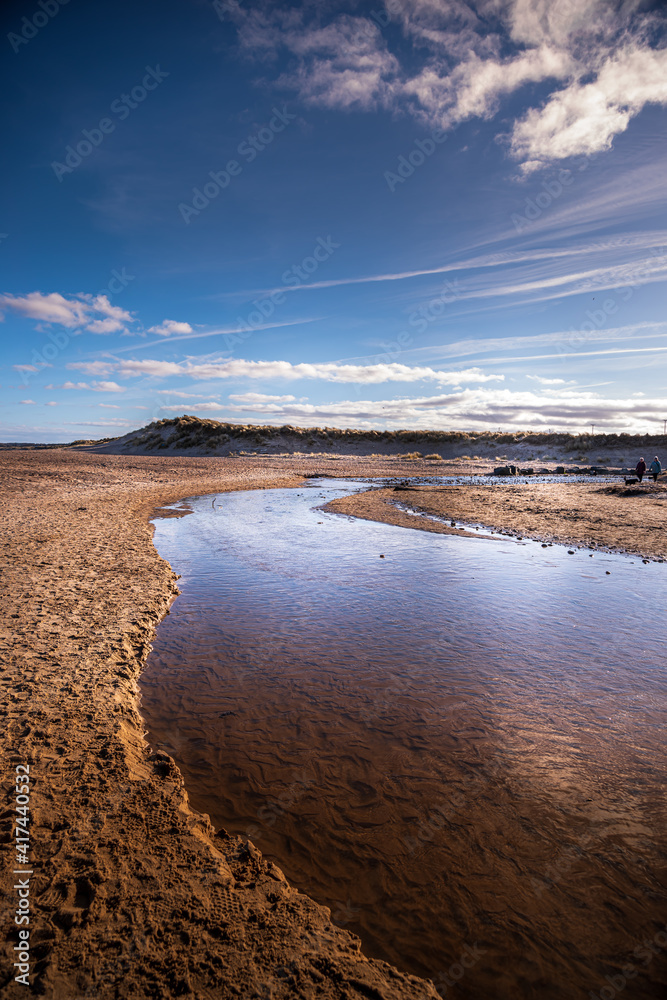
{"x": 133, "y": 894}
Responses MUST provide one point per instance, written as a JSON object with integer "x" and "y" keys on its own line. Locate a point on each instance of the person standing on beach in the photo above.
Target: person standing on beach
{"x": 640, "y": 469}
{"x": 655, "y": 468}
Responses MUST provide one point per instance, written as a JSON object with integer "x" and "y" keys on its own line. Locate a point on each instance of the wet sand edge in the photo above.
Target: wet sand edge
{"x": 131, "y": 885}
{"x": 582, "y": 515}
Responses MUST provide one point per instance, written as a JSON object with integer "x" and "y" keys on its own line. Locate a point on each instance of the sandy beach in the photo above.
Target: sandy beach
{"x": 612, "y": 516}
{"x": 133, "y": 893}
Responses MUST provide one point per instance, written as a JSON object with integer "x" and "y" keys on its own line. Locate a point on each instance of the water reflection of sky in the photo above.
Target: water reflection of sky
{"x": 447, "y": 655}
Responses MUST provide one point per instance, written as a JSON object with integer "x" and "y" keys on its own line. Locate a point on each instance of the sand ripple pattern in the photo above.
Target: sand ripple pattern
{"x": 458, "y": 747}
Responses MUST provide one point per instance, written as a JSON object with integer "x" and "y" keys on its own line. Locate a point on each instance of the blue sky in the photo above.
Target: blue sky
{"x": 420, "y": 214}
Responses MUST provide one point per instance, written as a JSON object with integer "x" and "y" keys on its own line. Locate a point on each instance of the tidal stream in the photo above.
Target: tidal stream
{"x": 459, "y": 747}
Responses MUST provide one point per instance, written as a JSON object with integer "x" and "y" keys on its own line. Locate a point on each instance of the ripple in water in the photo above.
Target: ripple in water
{"x": 458, "y": 748}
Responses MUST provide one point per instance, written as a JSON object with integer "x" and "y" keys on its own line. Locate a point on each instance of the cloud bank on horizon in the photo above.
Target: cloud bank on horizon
{"x": 474, "y": 194}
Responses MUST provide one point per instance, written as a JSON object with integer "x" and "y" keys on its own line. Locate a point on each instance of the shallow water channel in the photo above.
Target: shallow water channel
{"x": 457, "y": 747}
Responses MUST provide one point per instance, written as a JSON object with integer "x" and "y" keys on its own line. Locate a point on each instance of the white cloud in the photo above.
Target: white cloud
{"x": 183, "y": 395}
{"x": 93, "y": 386}
{"x": 329, "y": 371}
{"x": 51, "y": 403}
{"x": 479, "y": 408}
{"x": 455, "y": 63}
{"x": 105, "y": 326}
{"x": 260, "y": 397}
{"x": 27, "y": 402}
{"x": 30, "y": 368}
{"x": 550, "y": 381}
{"x": 169, "y": 326}
{"x": 52, "y": 308}
{"x": 91, "y": 367}
{"x": 81, "y": 312}
{"x": 109, "y": 406}
{"x": 107, "y": 387}
{"x": 584, "y": 118}
{"x": 197, "y": 407}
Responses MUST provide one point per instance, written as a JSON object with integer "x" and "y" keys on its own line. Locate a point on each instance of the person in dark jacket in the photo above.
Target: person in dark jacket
{"x": 640, "y": 469}
{"x": 655, "y": 468}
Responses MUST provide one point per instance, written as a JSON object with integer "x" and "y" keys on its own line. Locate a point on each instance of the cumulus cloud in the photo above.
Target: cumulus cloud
{"x": 91, "y": 367}
{"x": 328, "y": 371}
{"x": 27, "y": 402}
{"x": 600, "y": 59}
{"x": 93, "y": 313}
{"x": 51, "y": 308}
{"x": 550, "y": 381}
{"x": 585, "y": 117}
{"x": 260, "y": 397}
{"x": 93, "y": 386}
{"x": 169, "y": 326}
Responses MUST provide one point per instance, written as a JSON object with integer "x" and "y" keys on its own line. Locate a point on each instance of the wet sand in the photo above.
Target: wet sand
{"x": 474, "y": 760}
{"x": 612, "y": 516}
{"x": 133, "y": 895}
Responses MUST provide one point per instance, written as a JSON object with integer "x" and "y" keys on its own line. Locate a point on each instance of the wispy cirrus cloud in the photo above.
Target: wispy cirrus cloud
{"x": 560, "y": 338}
{"x": 31, "y": 368}
{"x": 544, "y": 269}
{"x": 183, "y": 395}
